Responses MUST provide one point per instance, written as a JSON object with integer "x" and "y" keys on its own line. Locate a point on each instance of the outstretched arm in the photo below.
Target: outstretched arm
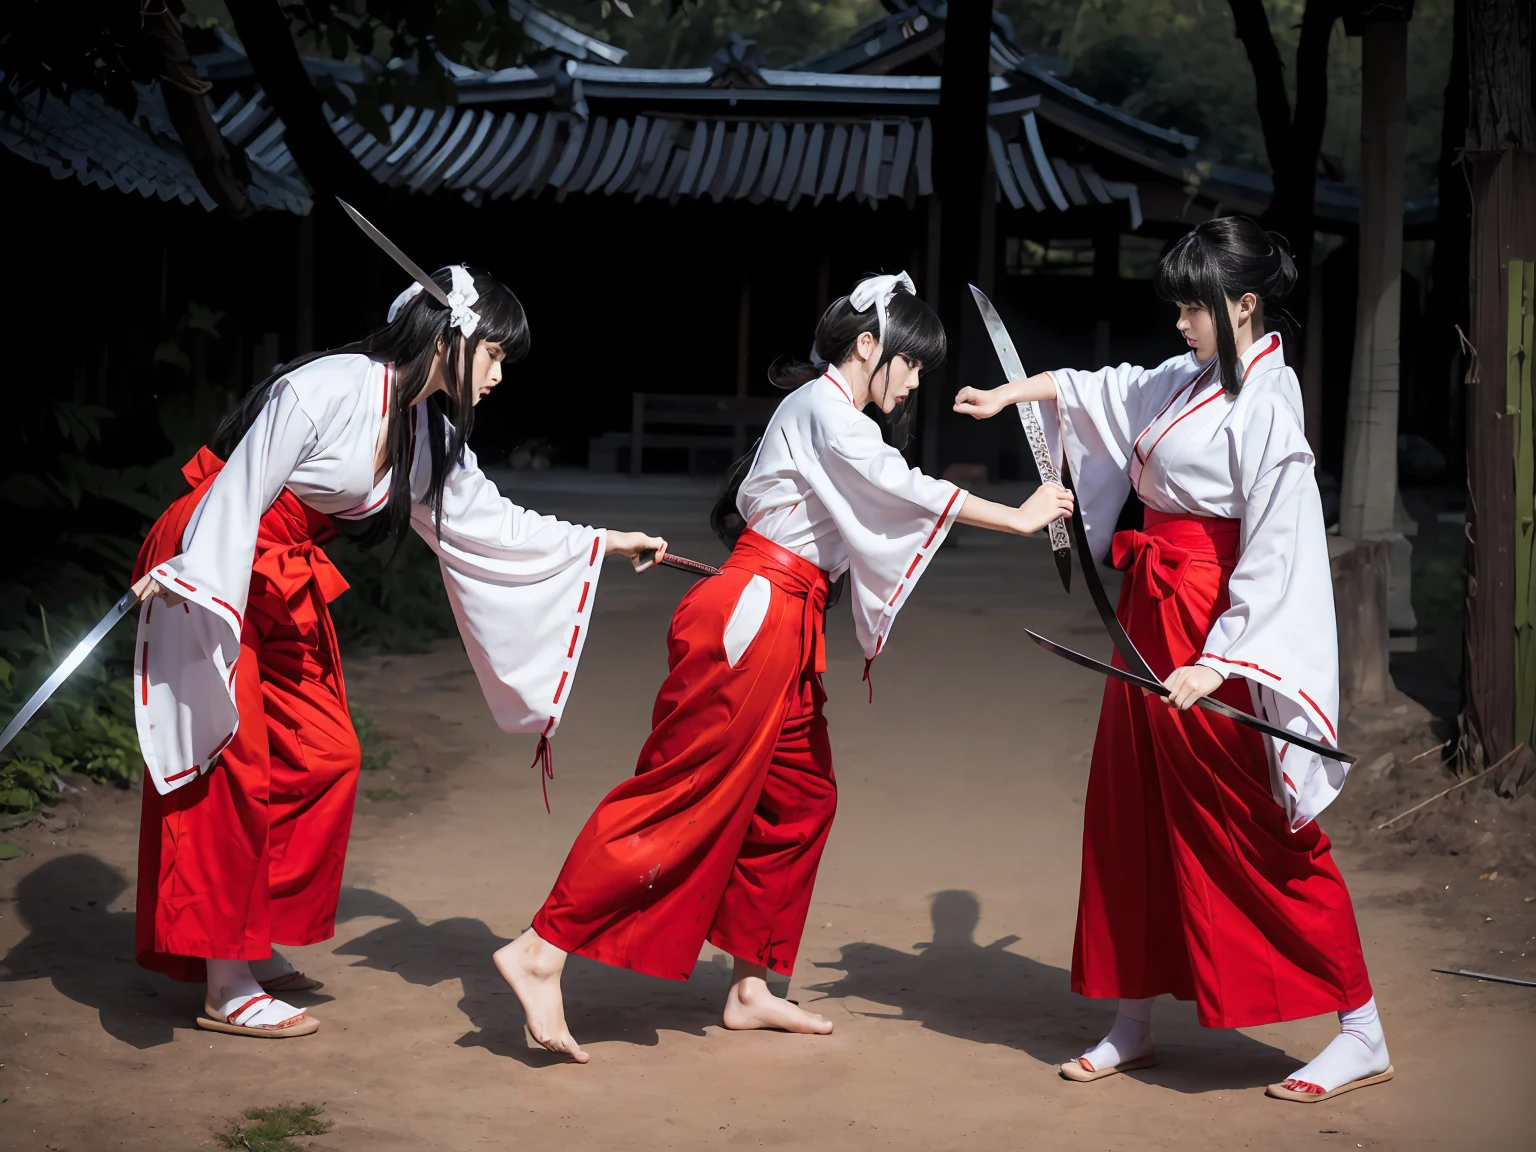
{"x": 1050, "y": 502}
{"x": 984, "y": 403}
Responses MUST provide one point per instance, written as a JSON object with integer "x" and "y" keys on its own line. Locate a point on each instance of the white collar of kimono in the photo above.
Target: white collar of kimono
{"x": 461, "y": 297}
{"x": 1264, "y": 345}
{"x": 830, "y": 371}
{"x": 877, "y": 291}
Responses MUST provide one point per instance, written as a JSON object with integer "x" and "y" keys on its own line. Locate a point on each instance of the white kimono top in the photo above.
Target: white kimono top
{"x": 825, "y": 486}
{"x": 1188, "y": 447}
{"x": 521, "y": 585}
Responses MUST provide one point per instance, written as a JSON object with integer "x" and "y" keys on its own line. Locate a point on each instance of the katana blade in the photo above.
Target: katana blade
{"x": 1034, "y": 431}
{"x": 68, "y": 665}
{"x": 681, "y": 563}
{"x": 394, "y": 253}
{"x": 1158, "y": 689}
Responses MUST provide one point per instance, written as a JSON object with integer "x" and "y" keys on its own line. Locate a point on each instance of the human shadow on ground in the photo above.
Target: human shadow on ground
{"x": 74, "y": 940}
{"x": 986, "y": 993}
{"x": 601, "y": 1003}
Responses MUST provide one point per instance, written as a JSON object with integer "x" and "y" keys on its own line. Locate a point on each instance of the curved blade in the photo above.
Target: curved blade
{"x": 1034, "y": 431}
{"x": 395, "y": 254}
{"x": 1157, "y": 689}
{"x": 68, "y": 665}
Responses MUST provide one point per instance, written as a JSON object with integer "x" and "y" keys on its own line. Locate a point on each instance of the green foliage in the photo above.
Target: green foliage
{"x": 396, "y": 604}
{"x": 272, "y": 1129}
{"x": 376, "y": 752}
{"x": 786, "y": 31}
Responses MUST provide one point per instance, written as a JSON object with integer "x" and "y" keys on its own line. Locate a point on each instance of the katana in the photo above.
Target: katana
{"x": 1034, "y": 431}
{"x": 412, "y": 269}
{"x": 68, "y": 665}
{"x": 1152, "y": 685}
{"x": 681, "y": 563}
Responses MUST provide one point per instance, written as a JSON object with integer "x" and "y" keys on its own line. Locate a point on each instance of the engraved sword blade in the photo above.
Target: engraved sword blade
{"x": 1034, "y": 431}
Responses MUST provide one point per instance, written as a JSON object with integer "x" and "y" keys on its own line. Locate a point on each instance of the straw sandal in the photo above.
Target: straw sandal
{"x": 1085, "y": 1073}
{"x": 260, "y": 1016}
{"x": 1281, "y": 1091}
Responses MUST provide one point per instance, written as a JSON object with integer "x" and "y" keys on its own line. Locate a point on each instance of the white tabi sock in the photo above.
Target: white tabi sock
{"x": 231, "y": 986}
{"x": 1130, "y": 1038}
{"x": 1358, "y": 1051}
{"x": 272, "y": 967}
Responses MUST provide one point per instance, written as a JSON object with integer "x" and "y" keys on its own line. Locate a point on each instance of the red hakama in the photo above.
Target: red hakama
{"x": 1193, "y": 883}
{"x": 718, "y": 834}
{"x": 251, "y": 853}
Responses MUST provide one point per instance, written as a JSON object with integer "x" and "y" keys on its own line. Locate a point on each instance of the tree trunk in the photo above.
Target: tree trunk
{"x": 1501, "y": 152}
{"x": 1368, "y": 493}
{"x": 960, "y": 166}
{"x": 328, "y": 166}
{"x": 222, "y": 173}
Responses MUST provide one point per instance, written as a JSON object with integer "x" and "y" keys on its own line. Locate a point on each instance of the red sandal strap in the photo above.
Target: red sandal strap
{"x": 244, "y": 1008}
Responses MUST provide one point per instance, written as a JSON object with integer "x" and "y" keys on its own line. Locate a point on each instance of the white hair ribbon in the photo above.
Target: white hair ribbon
{"x": 877, "y": 291}
{"x": 460, "y": 298}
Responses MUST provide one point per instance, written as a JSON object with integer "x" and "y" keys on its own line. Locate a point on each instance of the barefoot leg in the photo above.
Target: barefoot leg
{"x": 750, "y": 1004}
{"x": 532, "y": 967}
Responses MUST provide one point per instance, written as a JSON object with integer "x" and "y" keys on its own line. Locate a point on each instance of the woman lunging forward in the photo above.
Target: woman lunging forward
{"x": 718, "y": 834}
{"x": 1204, "y": 872}
{"x": 251, "y": 760}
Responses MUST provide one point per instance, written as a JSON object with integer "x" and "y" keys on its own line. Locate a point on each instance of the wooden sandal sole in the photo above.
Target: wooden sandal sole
{"x": 292, "y": 982}
{"x": 1280, "y": 1092}
{"x": 1074, "y": 1070}
{"x": 305, "y": 1027}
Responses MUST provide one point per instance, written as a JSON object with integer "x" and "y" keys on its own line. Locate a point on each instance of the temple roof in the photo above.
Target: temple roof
{"x": 856, "y": 122}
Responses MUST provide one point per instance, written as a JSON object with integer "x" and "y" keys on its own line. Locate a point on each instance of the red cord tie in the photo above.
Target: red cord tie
{"x": 868, "y": 679}
{"x": 544, "y": 761}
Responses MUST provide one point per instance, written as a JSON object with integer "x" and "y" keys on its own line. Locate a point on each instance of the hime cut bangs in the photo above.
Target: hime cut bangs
{"x": 1189, "y": 276}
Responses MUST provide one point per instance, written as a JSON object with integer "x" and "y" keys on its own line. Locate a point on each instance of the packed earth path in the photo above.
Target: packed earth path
{"x": 939, "y": 940}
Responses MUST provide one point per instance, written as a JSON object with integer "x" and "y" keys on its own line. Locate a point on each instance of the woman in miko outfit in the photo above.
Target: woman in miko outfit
{"x": 718, "y": 834}
{"x": 250, "y": 756}
{"x": 1205, "y": 874}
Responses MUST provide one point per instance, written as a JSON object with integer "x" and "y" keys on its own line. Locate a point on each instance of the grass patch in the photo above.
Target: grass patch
{"x": 271, "y": 1129}
{"x": 377, "y": 753}
{"x": 386, "y": 794}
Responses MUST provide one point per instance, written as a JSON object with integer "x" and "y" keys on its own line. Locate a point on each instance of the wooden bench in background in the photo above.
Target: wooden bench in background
{"x": 714, "y": 430}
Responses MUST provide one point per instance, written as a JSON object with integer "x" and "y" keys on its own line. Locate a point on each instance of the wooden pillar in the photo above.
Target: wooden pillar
{"x": 743, "y": 332}
{"x": 304, "y": 289}
{"x": 1106, "y": 282}
{"x": 1368, "y": 492}
{"x": 960, "y": 170}
{"x": 1312, "y": 361}
{"x": 932, "y": 397}
{"x": 1501, "y": 157}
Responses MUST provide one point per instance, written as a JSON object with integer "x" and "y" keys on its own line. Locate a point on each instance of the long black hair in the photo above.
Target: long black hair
{"x": 1221, "y": 260}
{"x": 409, "y": 342}
{"x": 912, "y": 331}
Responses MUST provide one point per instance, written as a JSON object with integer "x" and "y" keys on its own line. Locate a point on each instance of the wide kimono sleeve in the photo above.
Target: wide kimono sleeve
{"x": 184, "y": 674}
{"x": 1093, "y": 423}
{"x": 1280, "y": 631}
{"x": 891, "y": 516}
{"x": 521, "y": 586}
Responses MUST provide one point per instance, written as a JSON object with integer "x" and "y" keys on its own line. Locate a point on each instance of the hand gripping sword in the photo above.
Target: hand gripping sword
{"x": 1013, "y": 368}
{"x": 68, "y": 665}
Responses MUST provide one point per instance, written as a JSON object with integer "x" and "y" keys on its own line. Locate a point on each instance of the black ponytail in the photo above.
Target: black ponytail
{"x": 410, "y": 342}
{"x": 1222, "y": 260}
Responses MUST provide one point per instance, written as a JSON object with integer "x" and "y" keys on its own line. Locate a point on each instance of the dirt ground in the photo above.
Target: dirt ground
{"x": 938, "y": 942}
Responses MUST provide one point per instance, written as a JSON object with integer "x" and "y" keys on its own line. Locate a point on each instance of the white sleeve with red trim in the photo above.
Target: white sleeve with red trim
{"x": 184, "y": 674}
{"x": 1280, "y": 631}
{"x": 891, "y": 516}
{"x": 1096, "y": 418}
{"x": 521, "y": 586}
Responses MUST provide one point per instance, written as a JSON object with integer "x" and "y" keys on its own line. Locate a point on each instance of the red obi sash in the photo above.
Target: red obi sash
{"x": 292, "y": 579}
{"x": 794, "y": 576}
{"x": 1158, "y": 557}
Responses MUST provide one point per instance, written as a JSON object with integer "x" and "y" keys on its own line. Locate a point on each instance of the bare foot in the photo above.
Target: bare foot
{"x": 751, "y": 1004}
{"x": 532, "y": 967}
